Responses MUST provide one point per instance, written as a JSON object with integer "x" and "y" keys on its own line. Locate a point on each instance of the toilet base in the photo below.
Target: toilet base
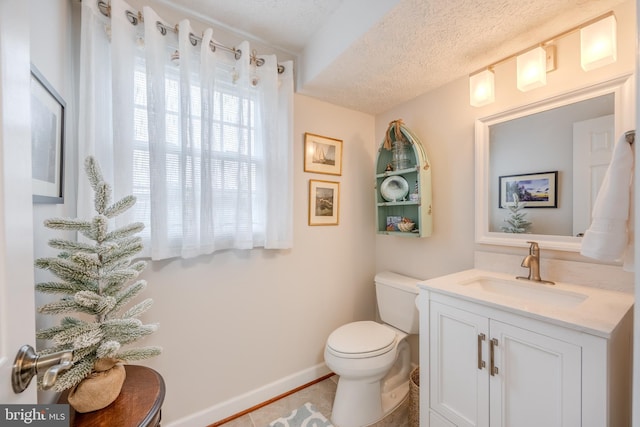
{"x": 352, "y": 394}
{"x": 374, "y": 397}
{"x": 372, "y": 405}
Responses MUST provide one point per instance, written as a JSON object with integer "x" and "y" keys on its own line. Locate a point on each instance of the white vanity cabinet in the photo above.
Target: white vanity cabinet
{"x": 488, "y": 365}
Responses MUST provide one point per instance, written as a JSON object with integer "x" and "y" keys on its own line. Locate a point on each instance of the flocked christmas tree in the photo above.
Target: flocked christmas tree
{"x": 516, "y": 222}
{"x": 96, "y": 279}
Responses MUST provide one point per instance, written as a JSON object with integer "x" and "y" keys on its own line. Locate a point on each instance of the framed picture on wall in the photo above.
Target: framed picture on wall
{"x": 536, "y": 190}
{"x": 322, "y": 154}
{"x": 47, "y": 140}
{"x": 324, "y": 202}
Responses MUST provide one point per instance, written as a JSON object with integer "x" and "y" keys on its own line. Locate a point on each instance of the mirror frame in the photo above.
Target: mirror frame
{"x": 624, "y": 111}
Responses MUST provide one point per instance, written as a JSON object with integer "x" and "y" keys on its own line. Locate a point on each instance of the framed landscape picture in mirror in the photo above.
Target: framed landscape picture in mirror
{"x": 47, "y": 140}
{"x": 536, "y": 190}
{"x": 322, "y": 154}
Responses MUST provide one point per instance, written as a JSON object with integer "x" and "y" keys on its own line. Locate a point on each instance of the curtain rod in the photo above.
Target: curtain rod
{"x": 136, "y": 17}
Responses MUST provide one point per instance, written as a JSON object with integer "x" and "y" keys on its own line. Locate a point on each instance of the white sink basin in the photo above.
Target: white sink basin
{"x": 584, "y": 308}
{"x": 528, "y": 291}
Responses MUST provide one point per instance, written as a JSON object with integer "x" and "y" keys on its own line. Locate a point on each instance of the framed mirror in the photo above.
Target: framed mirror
{"x": 555, "y": 152}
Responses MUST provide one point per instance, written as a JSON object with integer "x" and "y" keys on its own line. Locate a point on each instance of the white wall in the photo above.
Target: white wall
{"x": 444, "y": 121}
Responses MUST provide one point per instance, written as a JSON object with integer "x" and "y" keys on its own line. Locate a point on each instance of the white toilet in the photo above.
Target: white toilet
{"x": 373, "y": 360}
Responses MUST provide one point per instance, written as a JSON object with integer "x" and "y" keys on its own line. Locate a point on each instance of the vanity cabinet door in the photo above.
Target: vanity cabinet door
{"x": 537, "y": 381}
{"x": 459, "y": 386}
{"x": 488, "y": 373}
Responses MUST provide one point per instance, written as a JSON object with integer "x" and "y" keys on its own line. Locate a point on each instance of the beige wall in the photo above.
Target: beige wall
{"x": 444, "y": 121}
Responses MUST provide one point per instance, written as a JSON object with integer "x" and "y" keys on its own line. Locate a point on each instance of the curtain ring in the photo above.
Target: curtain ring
{"x": 133, "y": 19}
{"x": 193, "y": 39}
{"x": 105, "y": 8}
{"x": 160, "y": 26}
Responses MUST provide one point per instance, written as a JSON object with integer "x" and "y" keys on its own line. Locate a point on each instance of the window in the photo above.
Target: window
{"x": 201, "y": 138}
{"x": 229, "y": 167}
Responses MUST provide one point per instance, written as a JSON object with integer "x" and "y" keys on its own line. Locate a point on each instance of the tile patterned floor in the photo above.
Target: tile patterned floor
{"x": 321, "y": 395}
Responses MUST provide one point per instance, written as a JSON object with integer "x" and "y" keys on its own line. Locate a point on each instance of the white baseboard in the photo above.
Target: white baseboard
{"x": 252, "y": 398}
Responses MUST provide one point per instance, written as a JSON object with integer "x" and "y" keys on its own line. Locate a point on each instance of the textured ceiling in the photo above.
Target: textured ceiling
{"x": 417, "y": 46}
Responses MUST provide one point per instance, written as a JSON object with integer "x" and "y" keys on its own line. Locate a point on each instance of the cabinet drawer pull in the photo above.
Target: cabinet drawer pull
{"x": 493, "y": 369}
{"x": 481, "y": 363}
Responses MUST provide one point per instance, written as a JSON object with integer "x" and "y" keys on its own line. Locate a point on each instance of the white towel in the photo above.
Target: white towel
{"x": 608, "y": 236}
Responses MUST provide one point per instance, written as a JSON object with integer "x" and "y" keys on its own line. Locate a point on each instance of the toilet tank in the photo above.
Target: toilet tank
{"x": 396, "y": 295}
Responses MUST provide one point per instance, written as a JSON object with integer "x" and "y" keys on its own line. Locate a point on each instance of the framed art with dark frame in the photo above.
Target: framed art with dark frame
{"x": 322, "y": 154}
{"x": 324, "y": 202}
{"x": 534, "y": 190}
{"x": 47, "y": 140}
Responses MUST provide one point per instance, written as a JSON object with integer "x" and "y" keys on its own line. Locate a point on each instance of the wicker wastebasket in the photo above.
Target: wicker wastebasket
{"x": 414, "y": 397}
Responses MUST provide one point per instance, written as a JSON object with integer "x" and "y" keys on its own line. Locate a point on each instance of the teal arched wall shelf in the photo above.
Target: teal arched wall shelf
{"x": 415, "y": 169}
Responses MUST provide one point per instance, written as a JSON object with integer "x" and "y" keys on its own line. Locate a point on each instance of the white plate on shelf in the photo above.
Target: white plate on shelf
{"x": 394, "y": 188}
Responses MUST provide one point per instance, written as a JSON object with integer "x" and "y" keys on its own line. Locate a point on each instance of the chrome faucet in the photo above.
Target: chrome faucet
{"x": 532, "y": 262}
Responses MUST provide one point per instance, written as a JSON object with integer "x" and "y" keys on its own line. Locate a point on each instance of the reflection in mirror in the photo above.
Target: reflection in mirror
{"x": 552, "y": 140}
{"x": 570, "y": 136}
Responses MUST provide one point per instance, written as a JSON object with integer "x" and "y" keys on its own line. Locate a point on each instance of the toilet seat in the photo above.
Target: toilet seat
{"x": 359, "y": 340}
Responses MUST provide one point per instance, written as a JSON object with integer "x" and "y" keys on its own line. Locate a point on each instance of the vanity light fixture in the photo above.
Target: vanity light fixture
{"x": 532, "y": 69}
{"x": 598, "y": 48}
{"x": 482, "y": 90}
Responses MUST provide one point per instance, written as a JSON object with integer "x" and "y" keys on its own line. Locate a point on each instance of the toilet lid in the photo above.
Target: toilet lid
{"x": 362, "y": 337}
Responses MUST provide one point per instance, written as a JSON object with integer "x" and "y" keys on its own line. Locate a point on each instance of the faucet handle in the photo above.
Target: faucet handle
{"x": 534, "y": 248}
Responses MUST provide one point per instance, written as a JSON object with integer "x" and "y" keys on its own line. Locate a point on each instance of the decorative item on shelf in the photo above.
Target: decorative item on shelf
{"x": 400, "y": 159}
{"x": 400, "y": 147}
{"x": 415, "y": 195}
{"x": 394, "y": 188}
{"x": 392, "y": 223}
{"x": 94, "y": 279}
{"x": 405, "y": 225}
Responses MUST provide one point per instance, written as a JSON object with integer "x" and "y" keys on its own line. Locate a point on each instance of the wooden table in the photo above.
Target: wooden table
{"x": 138, "y": 405}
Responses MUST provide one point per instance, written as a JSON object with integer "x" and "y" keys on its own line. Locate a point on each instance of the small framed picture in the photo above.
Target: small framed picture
{"x": 322, "y": 154}
{"x": 324, "y": 202}
{"x": 536, "y": 190}
{"x": 47, "y": 140}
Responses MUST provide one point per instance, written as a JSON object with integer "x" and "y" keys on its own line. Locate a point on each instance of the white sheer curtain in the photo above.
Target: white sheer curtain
{"x": 204, "y": 141}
